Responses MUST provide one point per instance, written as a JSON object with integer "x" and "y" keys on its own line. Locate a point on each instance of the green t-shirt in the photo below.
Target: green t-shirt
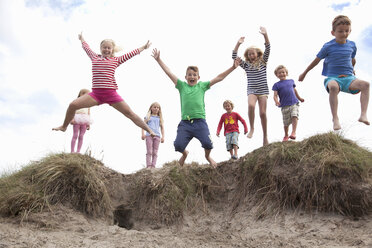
{"x": 192, "y": 99}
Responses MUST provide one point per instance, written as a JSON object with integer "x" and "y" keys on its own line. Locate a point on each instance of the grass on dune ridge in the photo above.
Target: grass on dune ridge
{"x": 59, "y": 178}
{"x": 324, "y": 173}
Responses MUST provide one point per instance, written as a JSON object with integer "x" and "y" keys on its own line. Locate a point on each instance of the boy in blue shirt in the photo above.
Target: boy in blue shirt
{"x": 289, "y": 97}
{"x": 338, "y": 67}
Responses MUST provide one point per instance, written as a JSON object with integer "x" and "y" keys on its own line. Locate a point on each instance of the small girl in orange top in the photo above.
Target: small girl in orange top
{"x": 230, "y": 120}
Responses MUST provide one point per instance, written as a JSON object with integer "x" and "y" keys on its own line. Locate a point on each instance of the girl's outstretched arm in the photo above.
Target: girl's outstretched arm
{"x": 156, "y": 55}
{"x": 264, "y": 33}
{"x": 147, "y": 45}
{"x": 240, "y": 41}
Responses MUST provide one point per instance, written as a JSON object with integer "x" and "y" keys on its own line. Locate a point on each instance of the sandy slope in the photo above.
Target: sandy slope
{"x": 67, "y": 228}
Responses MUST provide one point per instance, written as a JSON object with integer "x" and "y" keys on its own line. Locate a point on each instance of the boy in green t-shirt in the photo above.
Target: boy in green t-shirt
{"x": 193, "y": 122}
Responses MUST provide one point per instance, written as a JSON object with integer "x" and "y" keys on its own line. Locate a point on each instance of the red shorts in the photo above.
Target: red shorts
{"x": 108, "y": 96}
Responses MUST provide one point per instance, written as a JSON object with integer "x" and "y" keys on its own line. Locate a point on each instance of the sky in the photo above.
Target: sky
{"x": 43, "y": 67}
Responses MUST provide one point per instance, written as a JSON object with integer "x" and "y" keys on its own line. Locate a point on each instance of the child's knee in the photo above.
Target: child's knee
{"x": 333, "y": 86}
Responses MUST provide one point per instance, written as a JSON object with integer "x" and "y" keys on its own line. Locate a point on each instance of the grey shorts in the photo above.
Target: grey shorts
{"x": 289, "y": 112}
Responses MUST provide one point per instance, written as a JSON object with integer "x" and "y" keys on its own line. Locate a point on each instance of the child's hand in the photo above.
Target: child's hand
{"x": 218, "y": 135}
{"x": 80, "y": 36}
{"x": 241, "y": 40}
{"x": 263, "y": 31}
{"x": 237, "y": 62}
{"x": 162, "y": 140}
{"x": 147, "y": 45}
{"x": 301, "y": 99}
{"x": 156, "y": 54}
{"x": 277, "y": 104}
{"x": 88, "y": 127}
{"x": 302, "y": 77}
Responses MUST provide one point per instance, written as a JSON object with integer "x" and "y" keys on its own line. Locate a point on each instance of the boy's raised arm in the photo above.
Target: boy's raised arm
{"x": 222, "y": 76}
{"x": 156, "y": 55}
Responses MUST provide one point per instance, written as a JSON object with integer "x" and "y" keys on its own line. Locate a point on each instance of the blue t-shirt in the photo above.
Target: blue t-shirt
{"x": 285, "y": 89}
{"x": 154, "y": 124}
{"x": 337, "y": 58}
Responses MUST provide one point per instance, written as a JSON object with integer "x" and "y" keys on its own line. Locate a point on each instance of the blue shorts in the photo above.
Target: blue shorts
{"x": 343, "y": 82}
{"x": 187, "y": 130}
{"x": 232, "y": 139}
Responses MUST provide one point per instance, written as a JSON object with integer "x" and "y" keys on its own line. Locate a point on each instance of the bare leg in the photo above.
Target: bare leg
{"x": 235, "y": 150}
{"x": 85, "y": 101}
{"x": 363, "y": 86}
{"x": 294, "y": 127}
{"x": 208, "y": 157}
{"x": 252, "y": 99}
{"x": 231, "y": 152}
{"x": 262, "y": 104}
{"x": 286, "y": 131}
{"x": 183, "y": 158}
{"x": 124, "y": 108}
{"x": 334, "y": 89}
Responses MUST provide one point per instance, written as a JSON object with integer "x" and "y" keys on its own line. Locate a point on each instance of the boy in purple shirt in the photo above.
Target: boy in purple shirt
{"x": 289, "y": 97}
{"x": 338, "y": 67}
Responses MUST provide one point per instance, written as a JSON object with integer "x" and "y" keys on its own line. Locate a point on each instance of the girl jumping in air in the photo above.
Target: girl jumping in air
{"x": 104, "y": 84}
{"x": 81, "y": 123}
{"x": 257, "y": 89}
{"x": 154, "y": 120}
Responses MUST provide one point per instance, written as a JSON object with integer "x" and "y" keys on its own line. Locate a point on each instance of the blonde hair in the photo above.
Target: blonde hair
{"x": 259, "y": 61}
{"x": 82, "y": 92}
{"x": 228, "y": 102}
{"x": 115, "y": 48}
{"x": 340, "y": 20}
{"x": 149, "y": 113}
{"x": 279, "y": 67}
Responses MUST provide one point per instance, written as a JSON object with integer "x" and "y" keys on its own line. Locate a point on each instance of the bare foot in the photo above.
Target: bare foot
{"x": 212, "y": 162}
{"x": 364, "y": 120}
{"x": 183, "y": 158}
{"x": 61, "y": 128}
{"x": 265, "y": 141}
{"x": 336, "y": 124}
{"x": 250, "y": 134}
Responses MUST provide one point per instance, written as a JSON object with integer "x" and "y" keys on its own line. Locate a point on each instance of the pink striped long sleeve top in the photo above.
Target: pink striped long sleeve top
{"x": 103, "y": 68}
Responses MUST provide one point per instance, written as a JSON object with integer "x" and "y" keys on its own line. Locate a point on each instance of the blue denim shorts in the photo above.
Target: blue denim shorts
{"x": 187, "y": 130}
{"x": 343, "y": 82}
{"x": 232, "y": 139}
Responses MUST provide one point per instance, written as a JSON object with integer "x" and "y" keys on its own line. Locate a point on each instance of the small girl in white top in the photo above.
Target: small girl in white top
{"x": 81, "y": 123}
{"x": 154, "y": 119}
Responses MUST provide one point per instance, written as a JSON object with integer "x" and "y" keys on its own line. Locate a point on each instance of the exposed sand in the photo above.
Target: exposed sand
{"x": 67, "y": 228}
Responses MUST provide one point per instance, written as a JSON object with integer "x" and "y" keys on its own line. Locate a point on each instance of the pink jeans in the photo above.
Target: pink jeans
{"x": 152, "y": 146}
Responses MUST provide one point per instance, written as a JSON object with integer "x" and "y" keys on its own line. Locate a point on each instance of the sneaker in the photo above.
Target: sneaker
{"x": 234, "y": 157}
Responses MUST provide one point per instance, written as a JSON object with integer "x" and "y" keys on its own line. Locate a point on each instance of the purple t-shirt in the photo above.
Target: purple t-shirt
{"x": 285, "y": 89}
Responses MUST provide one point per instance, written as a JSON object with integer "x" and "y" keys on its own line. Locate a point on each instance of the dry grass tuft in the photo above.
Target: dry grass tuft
{"x": 61, "y": 178}
{"x": 164, "y": 196}
{"x": 322, "y": 173}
